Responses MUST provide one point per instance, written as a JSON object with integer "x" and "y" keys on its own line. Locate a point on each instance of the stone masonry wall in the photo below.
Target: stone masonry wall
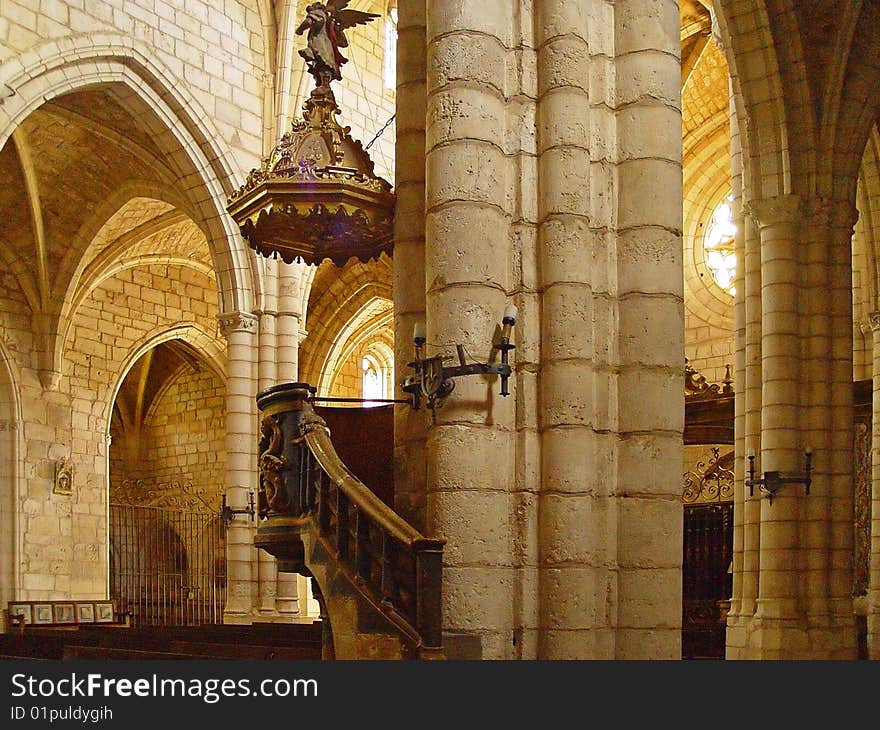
{"x": 64, "y": 543}
{"x": 215, "y": 49}
{"x": 186, "y": 432}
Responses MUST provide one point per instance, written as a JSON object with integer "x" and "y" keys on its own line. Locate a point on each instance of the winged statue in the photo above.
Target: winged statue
{"x": 326, "y": 24}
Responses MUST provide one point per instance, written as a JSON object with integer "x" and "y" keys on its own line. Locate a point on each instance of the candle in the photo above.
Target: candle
{"x": 510, "y": 312}
{"x": 419, "y": 331}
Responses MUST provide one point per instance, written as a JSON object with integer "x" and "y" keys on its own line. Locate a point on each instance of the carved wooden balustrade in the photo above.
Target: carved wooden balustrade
{"x": 304, "y": 486}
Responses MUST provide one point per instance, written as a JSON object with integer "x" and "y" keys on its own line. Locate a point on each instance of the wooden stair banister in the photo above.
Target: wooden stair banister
{"x": 305, "y": 486}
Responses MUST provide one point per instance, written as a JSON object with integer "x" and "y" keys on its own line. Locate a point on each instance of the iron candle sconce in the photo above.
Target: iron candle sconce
{"x": 227, "y": 514}
{"x": 772, "y": 481}
{"x": 433, "y": 381}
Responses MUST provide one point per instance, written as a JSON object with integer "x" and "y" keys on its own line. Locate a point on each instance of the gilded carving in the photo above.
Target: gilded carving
{"x": 272, "y": 496}
{"x": 63, "y": 477}
{"x": 711, "y": 480}
{"x": 697, "y": 387}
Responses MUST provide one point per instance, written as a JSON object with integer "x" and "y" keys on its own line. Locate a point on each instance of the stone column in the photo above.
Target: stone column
{"x": 575, "y": 513}
{"x": 239, "y": 329}
{"x": 734, "y": 635}
{"x": 290, "y": 314}
{"x": 267, "y": 568}
{"x": 642, "y": 342}
{"x": 470, "y": 445}
{"x": 778, "y": 608}
{"x": 747, "y": 406}
{"x": 874, "y": 585}
{"x": 409, "y": 252}
{"x": 838, "y": 541}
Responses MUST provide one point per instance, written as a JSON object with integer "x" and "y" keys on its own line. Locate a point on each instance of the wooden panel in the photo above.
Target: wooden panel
{"x": 364, "y": 440}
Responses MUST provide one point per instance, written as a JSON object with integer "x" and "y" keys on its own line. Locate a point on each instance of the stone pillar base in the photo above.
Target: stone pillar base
{"x": 235, "y": 617}
{"x": 831, "y": 638}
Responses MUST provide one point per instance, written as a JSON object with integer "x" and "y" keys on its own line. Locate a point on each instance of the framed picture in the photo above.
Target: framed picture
{"x": 85, "y": 613}
{"x": 104, "y": 611}
{"x": 64, "y": 613}
{"x": 43, "y": 613}
{"x": 21, "y": 609}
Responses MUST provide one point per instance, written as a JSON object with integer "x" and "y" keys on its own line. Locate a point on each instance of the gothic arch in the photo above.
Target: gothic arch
{"x": 207, "y": 171}
{"x": 209, "y": 348}
{"x": 745, "y": 35}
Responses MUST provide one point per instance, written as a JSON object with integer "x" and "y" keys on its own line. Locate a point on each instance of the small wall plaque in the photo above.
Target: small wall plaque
{"x": 63, "y": 477}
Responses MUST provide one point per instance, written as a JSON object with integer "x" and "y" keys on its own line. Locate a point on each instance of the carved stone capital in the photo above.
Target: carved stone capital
{"x": 874, "y": 321}
{"x": 237, "y": 322}
{"x": 781, "y": 210}
{"x": 819, "y": 211}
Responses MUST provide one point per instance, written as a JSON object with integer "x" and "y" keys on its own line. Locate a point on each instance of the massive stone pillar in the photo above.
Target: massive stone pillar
{"x": 409, "y": 252}
{"x": 470, "y": 459}
{"x": 803, "y": 605}
{"x": 240, "y": 329}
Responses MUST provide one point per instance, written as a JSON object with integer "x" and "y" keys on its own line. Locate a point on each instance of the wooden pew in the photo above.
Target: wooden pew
{"x": 266, "y": 641}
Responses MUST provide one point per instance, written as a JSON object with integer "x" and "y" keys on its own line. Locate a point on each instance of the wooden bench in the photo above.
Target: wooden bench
{"x": 262, "y": 641}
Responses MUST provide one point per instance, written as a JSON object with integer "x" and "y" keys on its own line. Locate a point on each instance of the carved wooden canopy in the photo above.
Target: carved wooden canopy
{"x": 316, "y": 196}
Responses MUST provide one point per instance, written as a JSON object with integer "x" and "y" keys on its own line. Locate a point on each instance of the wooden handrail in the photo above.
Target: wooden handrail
{"x": 317, "y": 436}
{"x": 396, "y": 569}
{"x": 420, "y": 624}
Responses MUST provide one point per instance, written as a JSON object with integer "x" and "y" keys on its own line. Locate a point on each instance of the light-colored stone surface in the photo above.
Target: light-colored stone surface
{"x": 564, "y": 157}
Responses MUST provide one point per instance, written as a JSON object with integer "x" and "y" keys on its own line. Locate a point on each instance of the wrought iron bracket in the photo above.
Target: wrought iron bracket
{"x": 227, "y": 514}
{"x": 435, "y": 381}
{"x": 772, "y": 481}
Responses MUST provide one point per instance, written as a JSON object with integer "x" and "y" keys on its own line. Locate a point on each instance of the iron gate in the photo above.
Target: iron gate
{"x": 707, "y": 576}
{"x": 167, "y": 555}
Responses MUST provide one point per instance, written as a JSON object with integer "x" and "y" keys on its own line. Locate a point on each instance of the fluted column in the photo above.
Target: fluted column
{"x": 641, "y": 362}
{"x": 734, "y": 635}
{"x": 841, "y": 632}
{"x": 293, "y": 279}
{"x": 267, "y": 568}
{"x": 240, "y": 329}
{"x": 575, "y": 512}
{"x": 409, "y": 252}
{"x": 781, "y": 449}
{"x": 470, "y": 464}
{"x": 874, "y": 580}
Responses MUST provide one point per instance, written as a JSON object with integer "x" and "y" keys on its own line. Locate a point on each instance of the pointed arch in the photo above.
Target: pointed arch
{"x": 181, "y": 128}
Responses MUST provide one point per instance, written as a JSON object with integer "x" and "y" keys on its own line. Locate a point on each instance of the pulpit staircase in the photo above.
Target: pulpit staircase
{"x": 376, "y": 578}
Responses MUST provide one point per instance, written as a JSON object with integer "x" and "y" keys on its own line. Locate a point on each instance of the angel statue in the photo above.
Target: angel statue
{"x": 326, "y": 24}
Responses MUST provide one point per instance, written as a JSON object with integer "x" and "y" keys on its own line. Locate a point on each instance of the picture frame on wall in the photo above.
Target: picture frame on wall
{"x": 104, "y": 612}
{"x": 21, "y": 609}
{"x": 85, "y": 613}
{"x": 43, "y": 613}
{"x": 64, "y": 613}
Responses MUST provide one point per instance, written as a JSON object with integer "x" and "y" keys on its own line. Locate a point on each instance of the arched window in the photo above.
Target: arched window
{"x": 718, "y": 246}
{"x": 391, "y": 47}
{"x": 373, "y": 382}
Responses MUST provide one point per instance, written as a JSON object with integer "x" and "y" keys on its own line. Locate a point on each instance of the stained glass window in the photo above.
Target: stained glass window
{"x": 718, "y": 246}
